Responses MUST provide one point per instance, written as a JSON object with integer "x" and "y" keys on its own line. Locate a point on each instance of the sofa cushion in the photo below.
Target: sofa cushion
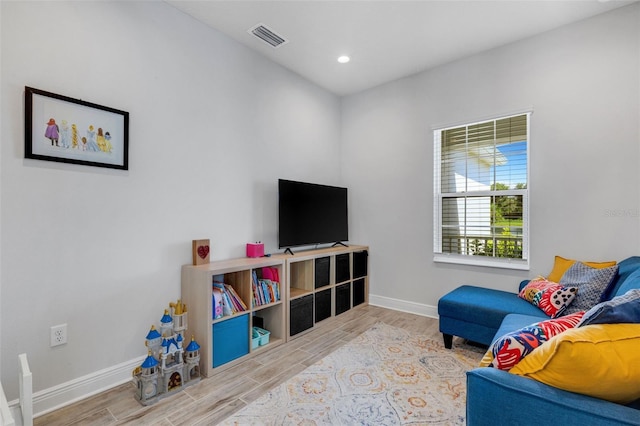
{"x": 552, "y": 298}
{"x": 632, "y": 282}
{"x": 515, "y": 322}
{"x": 509, "y": 349}
{"x": 628, "y": 275}
{"x": 561, "y": 265}
{"x": 483, "y": 305}
{"x": 591, "y": 284}
{"x": 620, "y": 309}
{"x": 600, "y": 360}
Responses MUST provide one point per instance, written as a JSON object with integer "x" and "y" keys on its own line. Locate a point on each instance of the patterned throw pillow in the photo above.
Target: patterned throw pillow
{"x": 509, "y": 349}
{"x": 560, "y": 266}
{"x": 621, "y": 309}
{"x": 591, "y": 283}
{"x": 552, "y": 298}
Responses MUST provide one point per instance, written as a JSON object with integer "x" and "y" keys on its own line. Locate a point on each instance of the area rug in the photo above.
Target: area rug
{"x": 385, "y": 376}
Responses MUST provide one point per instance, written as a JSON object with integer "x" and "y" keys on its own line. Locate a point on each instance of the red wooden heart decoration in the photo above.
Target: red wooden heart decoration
{"x": 203, "y": 251}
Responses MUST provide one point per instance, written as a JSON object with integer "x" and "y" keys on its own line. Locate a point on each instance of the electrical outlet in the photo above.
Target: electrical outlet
{"x": 58, "y": 335}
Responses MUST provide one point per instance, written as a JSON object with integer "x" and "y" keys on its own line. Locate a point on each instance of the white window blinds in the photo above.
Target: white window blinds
{"x": 481, "y": 192}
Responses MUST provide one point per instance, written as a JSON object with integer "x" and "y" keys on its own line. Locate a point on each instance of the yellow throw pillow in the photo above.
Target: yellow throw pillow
{"x": 600, "y": 360}
{"x": 561, "y": 265}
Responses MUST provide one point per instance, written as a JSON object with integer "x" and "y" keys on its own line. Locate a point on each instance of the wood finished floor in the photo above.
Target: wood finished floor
{"x": 215, "y": 398}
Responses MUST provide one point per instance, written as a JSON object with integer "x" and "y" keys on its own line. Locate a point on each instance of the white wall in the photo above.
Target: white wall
{"x": 212, "y": 127}
{"x": 583, "y": 83}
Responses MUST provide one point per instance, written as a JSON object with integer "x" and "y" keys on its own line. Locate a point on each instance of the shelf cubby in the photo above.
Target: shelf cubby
{"x": 301, "y": 276}
{"x": 323, "y": 283}
{"x": 226, "y": 341}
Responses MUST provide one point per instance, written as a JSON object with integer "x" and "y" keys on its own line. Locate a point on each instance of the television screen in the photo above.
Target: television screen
{"x": 310, "y": 213}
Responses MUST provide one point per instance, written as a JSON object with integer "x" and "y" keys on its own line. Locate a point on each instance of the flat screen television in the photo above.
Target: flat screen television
{"x": 310, "y": 213}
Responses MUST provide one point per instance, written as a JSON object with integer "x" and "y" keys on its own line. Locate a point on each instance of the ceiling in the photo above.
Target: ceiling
{"x": 386, "y": 40}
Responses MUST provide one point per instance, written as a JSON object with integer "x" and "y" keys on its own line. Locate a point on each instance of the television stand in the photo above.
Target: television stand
{"x": 339, "y": 243}
{"x": 322, "y": 284}
{"x": 288, "y": 250}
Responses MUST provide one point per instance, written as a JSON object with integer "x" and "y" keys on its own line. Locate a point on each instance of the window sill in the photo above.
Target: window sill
{"x": 504, "y": 263}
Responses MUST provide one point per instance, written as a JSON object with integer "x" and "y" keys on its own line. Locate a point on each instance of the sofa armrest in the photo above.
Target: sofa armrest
{"x": 522, "y": 284}
{"x": 498, "y": 397}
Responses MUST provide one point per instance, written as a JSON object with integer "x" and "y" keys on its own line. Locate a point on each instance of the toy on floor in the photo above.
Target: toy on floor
{"x": 169, "y": 366}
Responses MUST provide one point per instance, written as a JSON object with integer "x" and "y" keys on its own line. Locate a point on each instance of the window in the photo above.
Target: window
{"x": 481, "y": 193}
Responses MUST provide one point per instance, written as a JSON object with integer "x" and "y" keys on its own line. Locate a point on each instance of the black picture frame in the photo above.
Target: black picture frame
{"x": 67, "y": 130}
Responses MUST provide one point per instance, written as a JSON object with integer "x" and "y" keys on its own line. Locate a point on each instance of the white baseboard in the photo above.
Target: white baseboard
{"x": 51, "y": 399}
{"x": 54, "y": 398}
{"x": 404, "y": 306}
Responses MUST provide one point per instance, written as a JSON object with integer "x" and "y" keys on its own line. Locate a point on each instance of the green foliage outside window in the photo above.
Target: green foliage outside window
{"x": 508, "y": 246}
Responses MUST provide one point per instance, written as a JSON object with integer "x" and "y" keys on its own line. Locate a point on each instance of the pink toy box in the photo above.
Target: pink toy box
{"x": 255, "y": 249}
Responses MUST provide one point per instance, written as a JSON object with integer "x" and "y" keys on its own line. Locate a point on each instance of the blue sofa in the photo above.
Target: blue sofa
{"x": 497, "y": 397}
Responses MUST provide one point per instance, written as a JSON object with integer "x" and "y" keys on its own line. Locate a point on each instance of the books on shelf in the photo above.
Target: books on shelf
{"x": 226, "y": 296}
{"x": 265, "y": 291}
{"x": 227, "y": 302}
{"x": 218, "y": 304}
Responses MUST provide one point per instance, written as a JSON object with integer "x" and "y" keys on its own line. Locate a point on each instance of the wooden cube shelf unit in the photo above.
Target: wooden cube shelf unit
{"x": 324, "y": 283}
{"x": 232, "y": 341}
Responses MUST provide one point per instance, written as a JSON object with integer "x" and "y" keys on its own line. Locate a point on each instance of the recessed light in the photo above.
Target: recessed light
{"x": 344, "y": 59}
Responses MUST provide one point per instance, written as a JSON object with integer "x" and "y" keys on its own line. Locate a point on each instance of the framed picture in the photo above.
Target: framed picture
{"x": 67, "y": 130}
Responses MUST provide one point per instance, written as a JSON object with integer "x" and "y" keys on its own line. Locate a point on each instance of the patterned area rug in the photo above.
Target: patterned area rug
{"x": 385, "y": 376}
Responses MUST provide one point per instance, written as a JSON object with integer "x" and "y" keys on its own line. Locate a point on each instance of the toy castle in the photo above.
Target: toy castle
{"x": 169, "y": 366}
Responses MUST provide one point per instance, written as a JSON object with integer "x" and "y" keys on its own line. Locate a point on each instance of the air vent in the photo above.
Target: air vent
{"x": 268, "y": 36}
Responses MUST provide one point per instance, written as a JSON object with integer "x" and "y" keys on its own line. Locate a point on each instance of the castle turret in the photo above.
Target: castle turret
{"x": 147, "y": 380}
{"x": 179, "y": 341}
{"x": 193, "y": 348}
{"x": 153, "y": 340}
{"x": 149, "y": 366}
{"x": 179, "y": 316}
{"x": 192, "y": 361}
{"x": 166, "y": 324}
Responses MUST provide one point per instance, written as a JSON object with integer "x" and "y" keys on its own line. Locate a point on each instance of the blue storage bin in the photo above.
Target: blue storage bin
{"x": 262, "y": 336}
{"x": 255, "y": 338}
{"x": 230, "y": 339}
